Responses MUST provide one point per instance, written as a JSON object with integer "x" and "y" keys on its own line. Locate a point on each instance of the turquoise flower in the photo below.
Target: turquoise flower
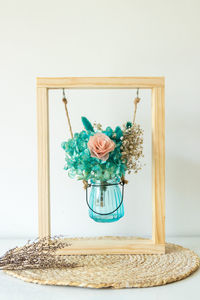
{"x": 81, "y": 165}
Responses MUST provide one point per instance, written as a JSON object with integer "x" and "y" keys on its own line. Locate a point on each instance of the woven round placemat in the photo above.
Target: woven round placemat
{"x": 118, "y": 271}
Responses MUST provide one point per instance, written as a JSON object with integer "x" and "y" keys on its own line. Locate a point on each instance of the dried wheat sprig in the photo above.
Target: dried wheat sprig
{"x": 40, "y": 254}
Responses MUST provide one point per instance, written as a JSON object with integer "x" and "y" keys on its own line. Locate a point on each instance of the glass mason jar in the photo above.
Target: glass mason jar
{"x": 106, "y": 201}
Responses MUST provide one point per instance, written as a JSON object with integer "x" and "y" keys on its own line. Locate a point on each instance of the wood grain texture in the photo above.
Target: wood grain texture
{"x": 112, "y": 246}
{"x": 100, "y": 82}
{"x": 43, "y": 163}
{"x": 158, "y": 165}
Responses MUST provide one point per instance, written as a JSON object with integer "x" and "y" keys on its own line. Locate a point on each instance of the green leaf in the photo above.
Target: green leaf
{"x": 86, "y": 123}
{"x": 128, "y": 125}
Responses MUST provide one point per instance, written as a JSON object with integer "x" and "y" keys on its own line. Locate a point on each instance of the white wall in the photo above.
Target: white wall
{"x": 98, "y": 38}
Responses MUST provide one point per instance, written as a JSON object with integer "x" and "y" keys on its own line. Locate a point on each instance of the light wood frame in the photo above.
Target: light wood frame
{"x": 93, "y": 246}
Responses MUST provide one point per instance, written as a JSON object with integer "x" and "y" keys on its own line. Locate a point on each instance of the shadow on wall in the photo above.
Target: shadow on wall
{"x": 182, "y": 196}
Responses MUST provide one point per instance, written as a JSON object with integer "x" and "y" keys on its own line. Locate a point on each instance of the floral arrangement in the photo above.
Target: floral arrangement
{"x": 97, "y": 154}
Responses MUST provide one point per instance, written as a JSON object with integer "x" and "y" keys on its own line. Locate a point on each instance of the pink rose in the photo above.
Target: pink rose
{"x": 100, "y": 145}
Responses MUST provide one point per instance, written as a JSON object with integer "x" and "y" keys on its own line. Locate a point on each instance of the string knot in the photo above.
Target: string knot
{"x": 85, "y": 184}
{"x": 123, "y": 180}
{"x": 137, "y": 100}
{"x": 64, "y": 100}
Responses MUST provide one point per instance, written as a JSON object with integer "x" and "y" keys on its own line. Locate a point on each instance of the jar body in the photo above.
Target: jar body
{"x": 104, "y": 198}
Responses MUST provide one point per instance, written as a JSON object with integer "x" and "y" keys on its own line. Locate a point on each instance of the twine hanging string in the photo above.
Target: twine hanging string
{"x": 67, "y": 113}
{"x": 136, "y": 101}
{"x": 64, "y": 99}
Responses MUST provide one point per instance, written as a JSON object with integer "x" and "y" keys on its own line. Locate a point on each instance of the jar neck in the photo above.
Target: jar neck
{"x": 105, "y": 182}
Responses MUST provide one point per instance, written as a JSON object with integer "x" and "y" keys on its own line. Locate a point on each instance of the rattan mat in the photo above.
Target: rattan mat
{"x": 118, "y": 271}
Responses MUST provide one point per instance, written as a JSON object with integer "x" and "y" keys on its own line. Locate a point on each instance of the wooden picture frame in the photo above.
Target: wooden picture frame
{"x": 109, "y": 246}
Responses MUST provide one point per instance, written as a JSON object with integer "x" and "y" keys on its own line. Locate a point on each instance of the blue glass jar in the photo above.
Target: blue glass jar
{"x": 106, "y": 201}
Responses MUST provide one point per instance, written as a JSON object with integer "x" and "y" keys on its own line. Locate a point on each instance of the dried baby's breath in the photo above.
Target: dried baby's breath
{"x": 98, "y": 126}
{"x": 132, "y": 147}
